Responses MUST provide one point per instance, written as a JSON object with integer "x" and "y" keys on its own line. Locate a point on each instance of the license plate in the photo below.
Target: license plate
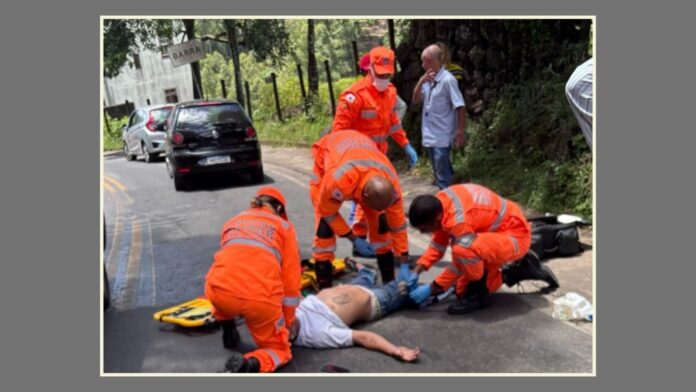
{"x": 217, "y": 159}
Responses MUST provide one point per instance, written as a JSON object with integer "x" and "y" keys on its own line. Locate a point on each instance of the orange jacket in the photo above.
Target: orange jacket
{"x": 361, "y": 107}
{"x": 259, "y": 260}
{"x": 343, "y": 162}
{"x": 469, "y": 209}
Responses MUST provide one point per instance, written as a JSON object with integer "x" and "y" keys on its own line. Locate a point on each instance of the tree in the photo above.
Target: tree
{"x": 231, "y": 26}
{"x": 124, "y": 38}
{"x": 312, "y": 71}
{"x": 189, "y": 25}
{"x": 266, "y": 38}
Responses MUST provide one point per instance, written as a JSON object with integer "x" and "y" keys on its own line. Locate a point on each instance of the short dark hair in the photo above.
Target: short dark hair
{"x": 424, "y": 210}
{"x": 259, "y": 201}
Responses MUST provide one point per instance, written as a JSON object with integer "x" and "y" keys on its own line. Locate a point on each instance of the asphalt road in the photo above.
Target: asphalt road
{"x": 160, "y": 245}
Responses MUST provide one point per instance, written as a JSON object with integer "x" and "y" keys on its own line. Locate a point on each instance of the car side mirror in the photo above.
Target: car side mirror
{"x": 124, "y": 127}
{"x": 161, "y": 127}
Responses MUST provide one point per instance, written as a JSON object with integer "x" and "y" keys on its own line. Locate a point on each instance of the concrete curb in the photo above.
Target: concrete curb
{"x": 277, "y": 143}
{"x": 112, "y": 153}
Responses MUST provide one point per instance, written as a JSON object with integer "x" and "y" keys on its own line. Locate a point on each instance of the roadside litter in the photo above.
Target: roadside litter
{"x": 572, "y": 306}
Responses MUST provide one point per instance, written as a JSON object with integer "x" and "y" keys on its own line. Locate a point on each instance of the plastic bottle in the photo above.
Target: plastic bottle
{"x": 572, "y": 306}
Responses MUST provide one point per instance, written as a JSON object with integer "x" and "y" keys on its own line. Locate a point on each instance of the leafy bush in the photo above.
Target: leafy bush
{"x": 502, "y": 151}
{"x": 112, "y": 141}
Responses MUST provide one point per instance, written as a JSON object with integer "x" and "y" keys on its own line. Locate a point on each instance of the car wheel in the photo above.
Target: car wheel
{"x": 148, "y": 156}
{"x": 129, "y": 156}
{"x": 181, "y": 183}
{"x": 257, "y": 175}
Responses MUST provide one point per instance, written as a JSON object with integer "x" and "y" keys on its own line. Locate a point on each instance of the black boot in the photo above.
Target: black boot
{"x": 324, "y": 273}
{"x": 529, "y": 268}
{"x": 236, "y": 363}
{"x": 385, "y": 261}
{"x": 230, "y": 335}
{"x": 473, "y": 299}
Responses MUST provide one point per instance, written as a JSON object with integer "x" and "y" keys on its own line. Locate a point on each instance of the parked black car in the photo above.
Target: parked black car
{"x": 211, "y": 137}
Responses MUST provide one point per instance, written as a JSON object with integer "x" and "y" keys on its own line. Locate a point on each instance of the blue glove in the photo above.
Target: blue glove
{"x": 363, "y": 247}
{"x": 420, "y": 294}
{"x": 411, "y": 154}
{"x": 408, "y": 276}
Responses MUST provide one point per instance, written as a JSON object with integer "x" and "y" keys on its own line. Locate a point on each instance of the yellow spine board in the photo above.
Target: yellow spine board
{"x": 199, "y": 312}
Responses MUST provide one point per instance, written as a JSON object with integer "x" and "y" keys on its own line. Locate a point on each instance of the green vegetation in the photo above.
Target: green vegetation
{"x": 526, "y": 146}
{"x": 503, "y": 150}
{"x": 112, "y": 141}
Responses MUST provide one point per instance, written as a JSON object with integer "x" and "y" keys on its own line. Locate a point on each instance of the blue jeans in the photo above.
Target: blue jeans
{"x": 442, "y": 166}
{"x": 387, "y": 295}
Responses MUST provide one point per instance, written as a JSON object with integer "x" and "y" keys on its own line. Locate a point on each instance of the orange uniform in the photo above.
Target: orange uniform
{"x": 364, "y": 109}
{"x": 256, "y": 274}
{"x": 343, "y": 163}
{"x": 485, "y": 231}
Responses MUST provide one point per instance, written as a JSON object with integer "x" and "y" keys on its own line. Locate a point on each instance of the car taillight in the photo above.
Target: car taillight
{"x": 150, "y": 125}
{"x": 177, "y": 138}
{"x": 250, "y": 132}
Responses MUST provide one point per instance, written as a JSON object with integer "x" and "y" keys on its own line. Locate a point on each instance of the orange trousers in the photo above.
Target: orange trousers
{"x": 265, "y": 323}
{"x": 493, "y": 249}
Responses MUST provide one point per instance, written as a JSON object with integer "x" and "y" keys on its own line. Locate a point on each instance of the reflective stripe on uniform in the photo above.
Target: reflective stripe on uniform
{"x": 477, "y": 194}
{"x": 400, "y": 228}
{"x": 501, "y": 214}
{"x": 338, "y": 173}
{"x": 394, "y": 128}
{"x": 327, "y": 249}
{"x": 465, "y": 240}
{"x": 459, "y": 213}
{"x": 291, "y": 301}
{"x": 514, "y": 243}
{"x": 276, "y": 218}
{"x": 465, "y": 261}
{"x": 379, "y": 138}
{"x": 330, "y": 218}
{"x": 441, "y": 248}
{"x": 453, "y": 269}
{"x": 368, "y": 114}
{"x": 378, "y": 245}
{"x": 258, "y": 244}
{"x": 274, "y": 356}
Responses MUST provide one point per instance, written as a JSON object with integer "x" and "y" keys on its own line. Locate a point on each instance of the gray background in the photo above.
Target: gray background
{"x": 50, "y": 205}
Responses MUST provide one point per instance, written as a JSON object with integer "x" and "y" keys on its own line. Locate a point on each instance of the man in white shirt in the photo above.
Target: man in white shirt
{"x": 444, "y": 117}
{"x": 323, "y": 320}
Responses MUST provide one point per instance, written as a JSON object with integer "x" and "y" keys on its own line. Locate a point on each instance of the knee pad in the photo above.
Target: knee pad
{"x": 324, "y": 231}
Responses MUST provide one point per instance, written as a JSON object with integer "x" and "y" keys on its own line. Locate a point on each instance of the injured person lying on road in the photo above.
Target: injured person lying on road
{"x": 324, "y": 320}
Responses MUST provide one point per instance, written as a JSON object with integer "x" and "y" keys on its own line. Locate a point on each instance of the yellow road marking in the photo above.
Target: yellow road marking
{"x": 115, "y": 243}
{"x": 133, "y": 270}
{"x": 120, "y": 186}
{"x": 108, "y": 187}
{"x": 115, "y": 183}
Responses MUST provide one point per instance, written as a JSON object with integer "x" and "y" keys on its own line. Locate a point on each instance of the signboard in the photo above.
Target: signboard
{"x": 186, "y": 52}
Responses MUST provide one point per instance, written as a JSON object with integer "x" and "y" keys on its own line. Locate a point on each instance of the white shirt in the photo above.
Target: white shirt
{"x": 579, "y": 93}
{"x": 320, "y": 327}
{"x": 439, "y": 119}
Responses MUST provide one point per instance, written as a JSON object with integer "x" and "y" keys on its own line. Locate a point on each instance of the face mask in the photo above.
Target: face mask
{"x": 380, "y": 84}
